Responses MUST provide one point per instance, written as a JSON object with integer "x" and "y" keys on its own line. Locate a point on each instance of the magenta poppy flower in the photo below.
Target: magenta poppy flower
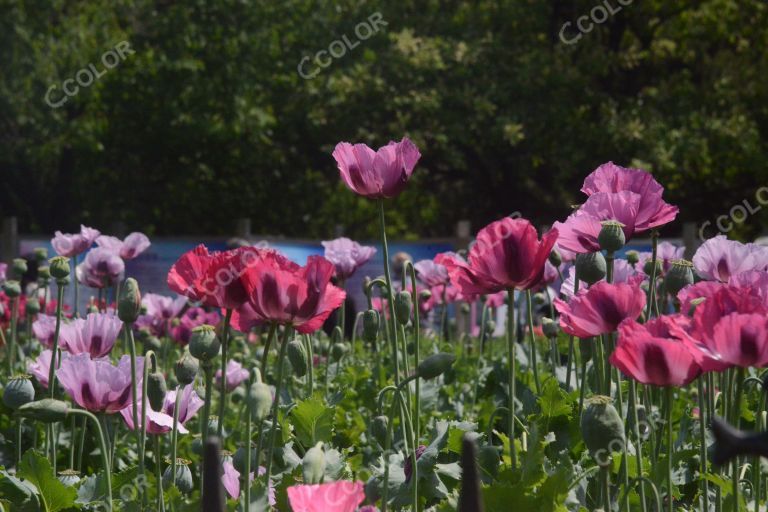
{"x": 431, "y": 273}
{"x": 347, "y": 256}
{"x": 245, "y": 318}
{"x": 652, "y": 210}
{"x": 719, "y": 258}
{"x": 186, "y": 275}
{"x": 40, "y": 368}
{"x": 507, "y": 254}
{"x": 280, "y": 291}
{"x": 192, "y": 317}
{"x": 94, "y": 335}
{"x": 756, "y": 282}
{"x": 97, "y": 385}
{"x": 652, "y": 359}
{"x": 70, "y": 245}
{"x": 236, "y": 375}
{"x": 341, "y": 496}
{"x": 600, "y": 309}
{"x": 133, "y": 245}
{"x": 376, "y": 174}
{"x": 700, "y": 290}
{"x": 44, "y": 328}
{"x": 724, "y": 301}
{"x": 741, "y": 340}
{"x": 100, "y": 269}
{"x": 161, "y": 422}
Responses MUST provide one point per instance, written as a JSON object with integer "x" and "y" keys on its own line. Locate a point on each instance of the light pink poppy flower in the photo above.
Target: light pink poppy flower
{"x": 341, "y": 496}
{"x": 69, "y": 245}
{"x": 44, "y": 328}
{"x": 719, "y": 258}
{"x": 230, "y": 478}
{"x": 431, "y": 273}
{"x": 94, "y": 335}
{"x": 100, "y": 269}
{"x": 97, "y": 385}
{"x": 347, "y": 256}
{"x": 40, "y": 368}
{"x": 376, "y": 174}
{"x": 236, "y": 375}
{"x": 161, "y": 422}
{"x": 133, "y": 245}
{"x": 600, "y": 309}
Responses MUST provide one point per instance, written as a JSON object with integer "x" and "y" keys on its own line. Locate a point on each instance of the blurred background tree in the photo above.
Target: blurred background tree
{"x": 210, "y": 120}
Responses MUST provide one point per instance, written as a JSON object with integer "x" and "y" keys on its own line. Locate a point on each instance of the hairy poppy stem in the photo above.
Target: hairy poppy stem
{"x": 511, "y": 375}
{"x": 223, "y": 386}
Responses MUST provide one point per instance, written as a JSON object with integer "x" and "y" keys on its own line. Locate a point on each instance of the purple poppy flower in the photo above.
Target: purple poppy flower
{"x": 97, "y": 385}
{"x": 230, "y": 478}
{"x": 161, "y": 422}
{"x": 431, "y": 273}
{"x": 72, "y": 244}
{"x": 408, "y": 466}
{"x": 347, "y": 256}
{"x": 44, "y": 328}
{"x": 94, "y": 335}
{"x": 719, "y": 258}
{"x": 100, "y": 269}
{"x": 40, "y": 368}
{"x": 236, "y": 375}
{"x": 376, "y": 174}
{"x": 163, "y": 307}
{"x": 133, "y": 245}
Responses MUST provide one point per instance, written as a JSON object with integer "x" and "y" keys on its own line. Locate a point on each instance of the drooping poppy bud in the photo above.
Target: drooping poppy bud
{"x": 313, "y": 465}
{"x": 555, "y": 258}
{"x": 18, "y": 391}
{"x": 590, "y": 267}
{"x": 435, "y": 365}
{"x": 370, "y": 325}
{"x": 379, "y": 427}
{"x": 611, "y": 237}
{"x": 203, "y": 343}
{"x": 238, "y": 459}
{"x": 47, "y": 410}
{"x": 549, "y": 327}
{"x": 260, "y": 400}
{"x": 129, "y": 303}
{"x": 297, "y": 355}
{"x": 403, "y": 306}
{"x": 186, "y": 369}
{"x": 339, "y": 350}
{"x": 156, "y": 390}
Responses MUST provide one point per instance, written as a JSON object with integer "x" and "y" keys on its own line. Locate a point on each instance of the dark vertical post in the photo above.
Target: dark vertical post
{"x": 469, "y": 497}
{"x": 213, "y": 496}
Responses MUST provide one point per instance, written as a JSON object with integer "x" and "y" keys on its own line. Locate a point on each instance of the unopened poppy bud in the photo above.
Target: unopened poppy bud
{"x": 425, "y": 295}
{"x": 69, "y": 477}
{"x": 379, "y": 427}
{"x": 549, "y": 327}
{"x": 370, "y": 325}
{"x": 297, "y": 355}
{"x": 47, "y": 410}
{"x": 59, "y": 266}
{"x": 129, "y": 302}
{"x": 539, "y": 298}
{"x": 182, "y": 479}
{"x": 602, "y": 428}
{"x": 44, "y": 273}
{"x": 339, "y": 350}
{"x": 18, "y": 391}
{"x": 403, "y": 305}
{"x": 197, "y": 445}
{"x": 152, "y": 343}
{"x": 632, "y": 257}
{"x": 186, "y": 369}
{"x": 313, "y": 465}
{"x": 490, "y": 326}
{"x": 555, "y": 258}
{"x": 12, "y": 289}
{"x": 435, "y": 365}
{"x": 156, "y": 390}
{"x": 590, "y": 267}
{"x": 32, "y": 306}
{"x": 611, "y": 237}
{"x": 238, "y": 459}
{"x": 259, "y": 399}
{"x": 19, "y": 267}
{"x": 203, "y": 343}
{"x": 679, "y": 276}
{"x": 648, "y": 267}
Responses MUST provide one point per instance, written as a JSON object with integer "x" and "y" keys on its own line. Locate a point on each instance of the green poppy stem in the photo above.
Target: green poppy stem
{"x": 276, "y": 404}
{"x": 511, "y": 376}
{"x": 102, "y": 448}
{"x": 223, "y": 384}
{"x": 532, "y": 337}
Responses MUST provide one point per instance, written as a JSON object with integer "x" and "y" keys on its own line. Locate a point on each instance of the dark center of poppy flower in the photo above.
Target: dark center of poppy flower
{"x": 749, "y": 344}
{"x": 722, "y": 270}
{"x": 656, "y": 365}
{"x": 96, "y": 342}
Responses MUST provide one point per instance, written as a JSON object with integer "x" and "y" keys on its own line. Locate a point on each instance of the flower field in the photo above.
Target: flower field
{"x": 614, "y": 380}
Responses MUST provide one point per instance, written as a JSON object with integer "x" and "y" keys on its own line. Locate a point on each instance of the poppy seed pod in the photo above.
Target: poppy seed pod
{"x": 203, "y": 343}
{"x": 590, "y": 267}
{"x": 156, "y": 390}
{"x": 12, "y": 289}
{"x": 69, "y": 477}
{"x": 47, "y": 410}
{"x": 182, "y": 479}
{"x": 197, "y": 445}
{"x": 379, "y": 427}
{"x": 44, "y": 273}
{"x": 19, "y": 267}
{"x": 259, "y": 399}
{"x": 539, "y": 298}
{"x": 611, "y": 237}
{"x": 602, "y": 428}
{"x": 32, "y": 306}
{"x": 435, "y": 365}
{"x": 403, "y": 306}
{"x": 370, "y": 325}
{"x": 18, "y": 391}
{"x": 297, "y": 355}
{"x": 555, "y": 258}
{"x": 549, "y": 327}
{"x": 648, "y": 267}
{"x": 129, "y": 303}
{"x": 59, "y": 266}
{"x": 186, "y": 369}
{"x": 313, "y": 465}
{"x": 679, "y": 275}
{"x": 632, "y": 257}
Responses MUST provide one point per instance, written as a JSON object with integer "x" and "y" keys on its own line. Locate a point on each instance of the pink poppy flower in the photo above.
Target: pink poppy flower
{"x": 280, "y": 291}
{"x": 70, "y": 245}
{"x": 230, "y": 478}
{"x": 719, "y": 258}
{"x": 182, "y": 330}
{"x": 100, "y": 269}
{"x": 600, "y": 309}
{"x": 623, "y": 272}
{"x": 128, "y": 249}
{"x": 507, "y": 254}
{"x": 430, "y": 273}
{"x": 44, "y": 328}
{"x": 347, "y": 256}
{"x": 97, "y": 385}
{"x": 754, "y": 281}
{"x": 40, "y": 368}
{"x": 245, "y": 318}
{"x": 496, "y": 300}
{"x": 652, "y": 359}
{"x": 666, "y": 253}
{"x": 341, "y": 496}
{"x": 376, "y": 174}
{"x": 94, "y": 335}
{"x": 161, "y": 422}
{"x": 236, "y": 375}
{"x": 162, "y": 306}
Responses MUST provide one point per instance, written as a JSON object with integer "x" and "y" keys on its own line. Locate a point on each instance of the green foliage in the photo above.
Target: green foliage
{"x": 312, "y": 420}
{"x": 53, "y": 495}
